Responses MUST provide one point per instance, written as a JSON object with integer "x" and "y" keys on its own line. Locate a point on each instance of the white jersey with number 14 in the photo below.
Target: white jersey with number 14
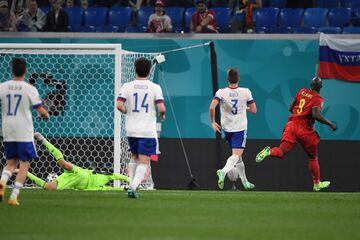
{"x": 141, "y": 97}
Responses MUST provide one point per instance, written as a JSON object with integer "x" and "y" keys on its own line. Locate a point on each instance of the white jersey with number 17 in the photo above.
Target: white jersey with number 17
{"x": 16, "y": 99}
{"x": 233, "y": 104}
{"x": 141, "y": 97}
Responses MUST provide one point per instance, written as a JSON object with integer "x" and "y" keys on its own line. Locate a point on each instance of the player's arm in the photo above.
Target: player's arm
{"x": 42, "y": 112}
{"x": 252, "y": 108}
{"x": 212, "y": 108}
{"x": 161, "y": 109}
{"x": 37, "y": 103}
{"x": 292, "y": 105}
{"x": 316, "y": 113}
{"x": 120, "y": 105}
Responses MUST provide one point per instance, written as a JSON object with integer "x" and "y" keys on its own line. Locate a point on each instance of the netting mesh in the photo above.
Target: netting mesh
{"x": 78, "y": 89}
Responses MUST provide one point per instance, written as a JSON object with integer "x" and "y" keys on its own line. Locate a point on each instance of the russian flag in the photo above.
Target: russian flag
{"x": 339, "y": 58}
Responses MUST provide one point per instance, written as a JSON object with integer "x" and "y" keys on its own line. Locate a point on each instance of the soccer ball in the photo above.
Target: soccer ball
{"x": 233, "y": 174}
{"x": 51, "y": 177}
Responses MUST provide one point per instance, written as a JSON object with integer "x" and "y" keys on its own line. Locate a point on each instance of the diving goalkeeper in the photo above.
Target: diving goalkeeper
{"x": 74, "y": 177}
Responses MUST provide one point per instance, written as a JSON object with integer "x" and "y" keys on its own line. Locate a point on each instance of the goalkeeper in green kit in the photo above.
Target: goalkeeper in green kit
{"x": 74, "y": 177}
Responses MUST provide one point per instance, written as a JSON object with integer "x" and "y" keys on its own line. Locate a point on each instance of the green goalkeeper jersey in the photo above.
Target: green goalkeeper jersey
{"x": 82, "y": 179}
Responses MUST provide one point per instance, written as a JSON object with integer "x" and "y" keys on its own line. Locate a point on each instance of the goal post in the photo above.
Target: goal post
{"x": 79, "y": 84}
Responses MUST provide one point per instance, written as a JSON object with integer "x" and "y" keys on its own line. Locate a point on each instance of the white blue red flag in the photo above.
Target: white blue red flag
{"x": 339, "y": 58}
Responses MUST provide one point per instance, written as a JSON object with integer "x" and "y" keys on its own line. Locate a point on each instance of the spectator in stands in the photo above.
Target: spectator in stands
{"x": 7, "y": 18}
{"x": 69, "y": 3}
{"x": 33, "y": 18}
{"x": 159, "y": 22}
{"x": 203, "y": 20}
{"x": 56, "y": 19}
{"x": 243, "y": 17}
{"x": 18, "y": 7}
{"x": 84, "y": 4}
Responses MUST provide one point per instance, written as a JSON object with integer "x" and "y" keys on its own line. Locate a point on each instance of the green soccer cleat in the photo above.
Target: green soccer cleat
{"x": 221, "y": 176}
{"x": 321, "y": 185}
{"x": 248, "y": 186}
{"x": 262, "y": 154}
{"x": 132, "y": 194}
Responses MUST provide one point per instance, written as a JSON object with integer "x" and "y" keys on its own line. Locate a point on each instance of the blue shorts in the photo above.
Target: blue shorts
{"x": 24, "y": 151}
{"x": 143, "y": 146}
{"x": 236, "y": 139}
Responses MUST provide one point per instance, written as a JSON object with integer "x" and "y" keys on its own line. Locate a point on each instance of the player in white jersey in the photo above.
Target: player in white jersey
{"x": 17, "y": 98}
{"x": 138, "y": 100}
{"x": 235, "y": 102}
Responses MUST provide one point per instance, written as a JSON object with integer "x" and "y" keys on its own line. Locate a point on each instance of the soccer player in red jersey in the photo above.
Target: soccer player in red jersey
{"x": 306, "y": 109}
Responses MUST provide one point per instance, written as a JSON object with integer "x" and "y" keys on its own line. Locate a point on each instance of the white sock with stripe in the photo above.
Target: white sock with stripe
{"x": 241, "y": 168}
{"x": 5, "y": 176}
{"x": 16, "y": 190}
{"x": 131, "y": 169}
{"x": 139, "y": 175}
{"x": 230, "y": 163}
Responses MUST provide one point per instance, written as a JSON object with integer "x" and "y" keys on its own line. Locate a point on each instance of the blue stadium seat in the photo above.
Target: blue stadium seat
{"x": 291, "y": 17}
{"x": 107, "y": 29}
{"x": 277, "y": 3}
{"x": 218, "y": 3}
{"x": 75, "y": 17}
{"x": 45, "y": 9}
{"x": 120, "y": 17}
{"x": 339, "y": 17}
{"x": 330, "y": 30}
{"x": 305, "y": 30}
{"x": 327, "y": 3}
{"x": 266, "y": 19}
{"x": 283, "y": 30}
{"x": 178, "y": 29}
{"x": 355, "y": 20}
{"x": 143, "y": 15}
{"x": 88, "y": 29}
{"x": 136, "y": 29}
{"x": 351, "y": 30}
{"x": 350, "y": 3}
{"x": 315, "y": 17}
{"x": 176, "y": 14}
{"x": 95, "y": 16}
{"x": 223, "y": 17}
{"x": 188, "y": 16}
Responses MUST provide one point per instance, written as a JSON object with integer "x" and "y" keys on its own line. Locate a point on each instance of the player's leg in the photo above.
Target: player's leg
{"x": 19, "y": 182}
{"x": 6, "y": 174}
{"x": 134, "y": 160}
{"x": 310, "y": 145}
{"x": 288, "y": 140}
{"x": 240, "y": 166}
{"x": 55, "y": 152}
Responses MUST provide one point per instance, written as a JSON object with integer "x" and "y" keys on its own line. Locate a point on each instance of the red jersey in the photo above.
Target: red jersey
{"x": 306, "y": 100}
{"x": 198, "y": 17}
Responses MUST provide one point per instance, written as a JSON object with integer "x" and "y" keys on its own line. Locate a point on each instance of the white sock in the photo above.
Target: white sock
{"x": 241, "y": 168}
{"x": 5, "y": 176}
{"x": 16, "y": 190}
{"x": 230, "y": 163}
{"x": 131, "y": 169}
{"x": 139, "y": 175}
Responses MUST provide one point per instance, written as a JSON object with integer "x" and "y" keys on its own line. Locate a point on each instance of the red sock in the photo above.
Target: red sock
{"x": 276, "y": 152}
{"x": 315, "y": 170}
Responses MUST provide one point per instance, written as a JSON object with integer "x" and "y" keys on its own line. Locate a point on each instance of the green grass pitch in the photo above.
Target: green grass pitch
{"x": 170, "y": 215}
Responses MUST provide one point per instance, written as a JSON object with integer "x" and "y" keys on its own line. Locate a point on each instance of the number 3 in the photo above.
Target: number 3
{"x": 301, "y": 105}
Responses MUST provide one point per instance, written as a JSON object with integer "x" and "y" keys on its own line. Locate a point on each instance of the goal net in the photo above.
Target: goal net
{"x": 79, "y": 84}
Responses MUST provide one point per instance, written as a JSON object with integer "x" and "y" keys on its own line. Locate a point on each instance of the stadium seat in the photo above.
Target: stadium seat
{"x": 355, "y": 20}
{"x": 277, "y": 3}
{"x": 136, "y": 29}
{"x": 339, "y": 17}
{"x": 75, "y": 17}
{"x": 223, "y": 17}
{"x": 120, "y": 17}
{"x": 176, "y": 14}
{"x": 88, "y": 29}
{"x": 283, "y": 30}
{"x": 218, "y": 3}
{"x": 143, "y": 15}
{"x": 330, "y": 30}
{"x": 291, "y": 17}
{"x": 188, "y": 16}
{"x": 178, "y": 29}
{"x": 327, "y": 3}
{"x": 45, "y": 9}
{"x": 351, "y": 30}
{"x": 266, "y": 19}
{"x": 315, "y": 17}
{"x": 305, "y": 30}
{"x": 350, "y": 3}
{"x": 95, "y": 16}
{"x": 107, "y": 29}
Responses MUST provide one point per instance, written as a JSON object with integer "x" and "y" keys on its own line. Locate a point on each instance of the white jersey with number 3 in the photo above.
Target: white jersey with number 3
{"x": 233, "y": 104}
{"x": 141, "y": 97}
{"x": 16, "y": 99}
